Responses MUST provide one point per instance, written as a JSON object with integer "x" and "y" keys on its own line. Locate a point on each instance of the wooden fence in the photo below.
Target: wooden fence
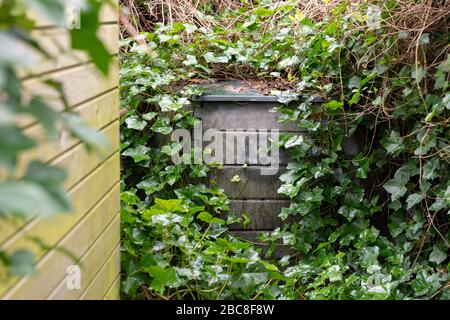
{"x": 91, "y": 232}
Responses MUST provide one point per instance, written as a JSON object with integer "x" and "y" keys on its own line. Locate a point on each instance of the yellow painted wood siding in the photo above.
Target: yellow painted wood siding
{"x": 91, "y": 232}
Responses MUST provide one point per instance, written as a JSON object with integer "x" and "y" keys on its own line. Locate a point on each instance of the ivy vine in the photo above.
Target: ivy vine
{"x": 368, "y": 183}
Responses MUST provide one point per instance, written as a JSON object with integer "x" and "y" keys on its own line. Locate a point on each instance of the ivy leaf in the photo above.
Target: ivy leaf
{"x": 21, "y": 263}
{"x": 212, "y": 58}
{"x": 150, "y": 185}
{"x": 177, "y": 27}
{"x": 45, "y": 115}
{"x": 445, "y": 66}
{"x": 205, "y": 216}
{"x": 208, "y": 218}
{"x": 236, "y": 179}
{"x": 52, "y": 10}
{"x": 171, "y": 205}
{"x": 437, "y": 256}
{"x": 430, "y": 169}
{"x": 414, "y": 199}
{"x": 425, "y": 283}
{"x": 34, "y": 199}
{"x": 354, "y": 82}
{"x": 418, "y": 73}
{"x": 349, "y": 212}
{"x": 439, "y": 204}
{"x": 334, "y": 105}
{"x": 404, "y": 173}
{"x": 12, "y": 141}
{"x": 135, "y": 122}
{"x": 396, "y": 188}
{"x": 369, "y": 256}
{"x": 172, "y": 149}
{"x": 263, "y": 12}
{"x": 162, "y": 277}
{"x": 294, "y": 141}
{"x": 424, "y": 39}
{"x": 168, "y": 103}
{"x": 150, "y": 116}
{"x": 161, "y": 125}
{"x": 85, "y": 38}
{"x": 423, "y": 149}
{"x": 190, "y": 61}
{"x": 140, "y": 153}
{"x": 441, "y": 81}
{"x": 289, "y": 189}
{"x": 45, "y": 174}
{"x": 393, "y": 144}
{"x": 130, "y": 286}
{"x": 79, "y": 129}
{"x": 148, "y": 260}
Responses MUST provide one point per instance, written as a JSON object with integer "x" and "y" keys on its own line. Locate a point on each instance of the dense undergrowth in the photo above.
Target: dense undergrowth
{"x": 369, "y": 183}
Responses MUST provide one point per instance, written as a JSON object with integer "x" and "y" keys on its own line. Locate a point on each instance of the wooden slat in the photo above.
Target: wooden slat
{"x": 263, "y": 214}
{"x": 56, "y": 42}
{"x": 98, "y": 113}
{"x": 114, "y": 291}
{"x": 81, "y": 84}
{"x": 92, "y": 262}
{"x": 252, "y": 236}
{"x": 102, "y": 281}
{"x": 72, "y": 162}
{"x": 108, "y": 14}
{"x": 251, "y": 115}
{"x": 51, "y": 270}
{"x": 253, "y": 185}
{"x": 79, "y": 161}
{"x": 239, "y": 147}
{"x": 238, "y": 98}
{"x": 84, "y": 196}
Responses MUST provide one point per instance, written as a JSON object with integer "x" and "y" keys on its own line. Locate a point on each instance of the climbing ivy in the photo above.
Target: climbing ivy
{"x": 39, "y": 191}
{"x": 368, "y": 181}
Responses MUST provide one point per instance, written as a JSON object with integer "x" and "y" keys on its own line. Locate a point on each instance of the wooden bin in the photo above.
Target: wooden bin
{"x": 241, "y": 116}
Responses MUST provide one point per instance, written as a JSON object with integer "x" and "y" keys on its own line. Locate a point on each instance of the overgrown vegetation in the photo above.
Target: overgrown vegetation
{"x": 36, "y": 191}
{"x": 373, "y": 218}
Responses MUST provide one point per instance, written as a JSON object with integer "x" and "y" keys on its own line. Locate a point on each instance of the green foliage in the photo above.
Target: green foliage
{"x": 175, "y": 249}
{"x": 372, "y": 223}
{"x": 180, "y": 247}
{"x": 38, "y": 192}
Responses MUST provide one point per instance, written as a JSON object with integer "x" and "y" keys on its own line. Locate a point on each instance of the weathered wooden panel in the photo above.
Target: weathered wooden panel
{"x": 56, "y": 42}
{"x": 52, "y": 268}
{"x": 263, "y": 214}
{"x": 92, "y": 263}
{"x": 105, "y": 277}
{"x": 253, "y": 185}
{"x": 248, "y": 115}
{"x": 244, "y": 147}
{"x": 84, "y": 196}
{"x": 253, "y": 236}
{"x": 239, "y": 129}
